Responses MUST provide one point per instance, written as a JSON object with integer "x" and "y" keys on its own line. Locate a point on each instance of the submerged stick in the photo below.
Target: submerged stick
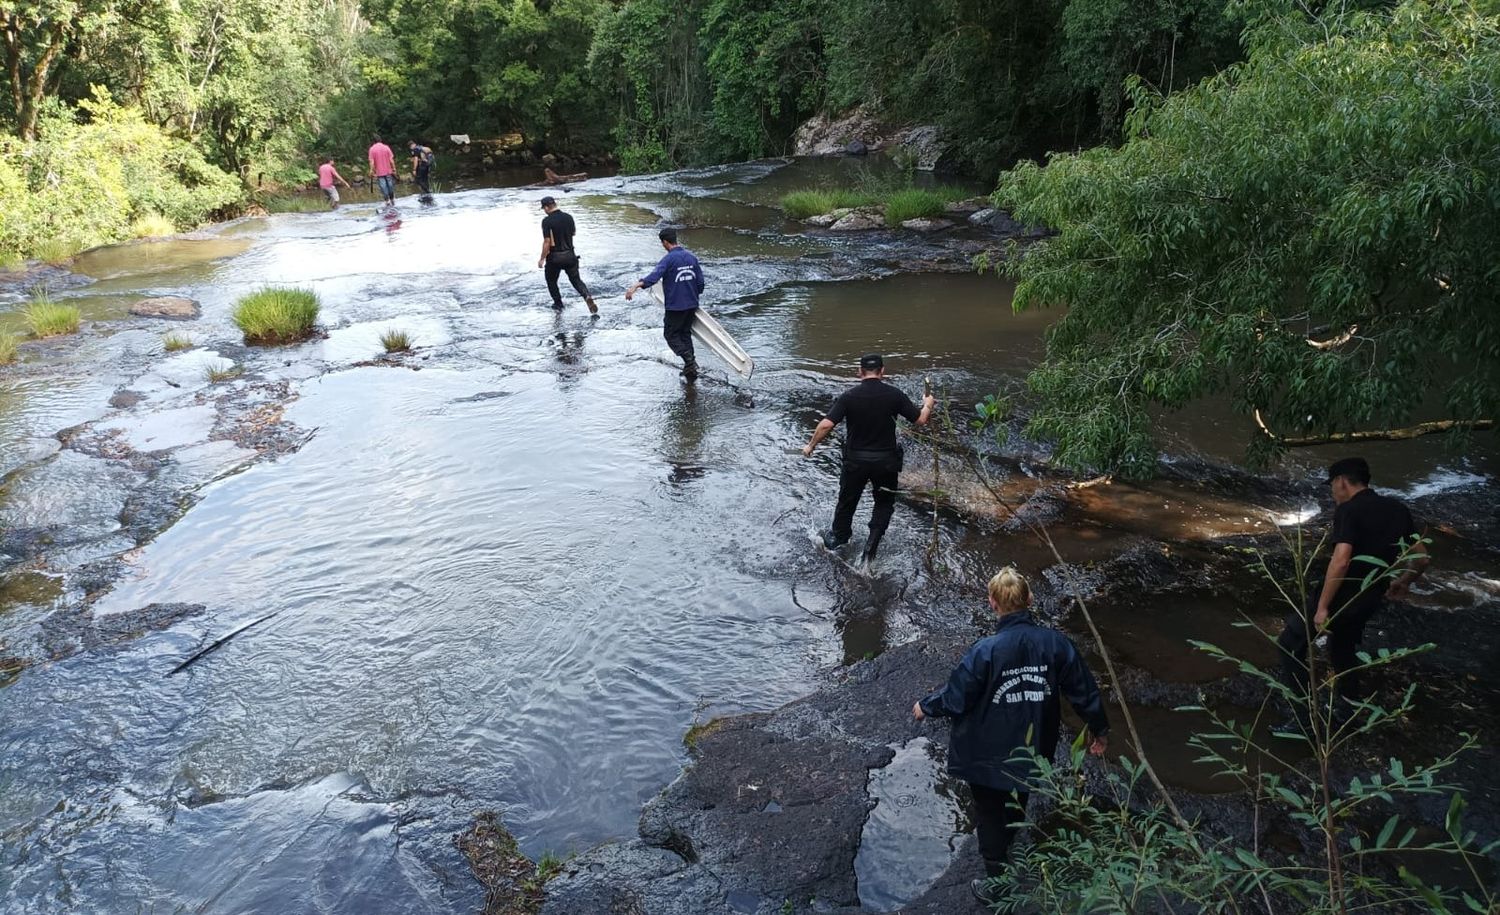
{"x": 217, "y": 644}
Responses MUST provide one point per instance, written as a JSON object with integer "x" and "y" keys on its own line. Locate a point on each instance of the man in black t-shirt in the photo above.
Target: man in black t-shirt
{"x": 871, "y": 453}
{"x": 1365, "y": 524}
{"x": 558, "y": 255}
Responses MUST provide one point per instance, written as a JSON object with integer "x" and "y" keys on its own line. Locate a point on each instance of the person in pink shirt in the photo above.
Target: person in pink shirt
{"x": 383, "y": 167}
{"x": 327, "y": 175}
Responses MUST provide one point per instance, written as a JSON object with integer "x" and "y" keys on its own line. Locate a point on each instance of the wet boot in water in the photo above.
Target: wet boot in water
{"x": 690, "y": 370}
{"x": 833, "y": 541}
{"x": 593, "y": 309}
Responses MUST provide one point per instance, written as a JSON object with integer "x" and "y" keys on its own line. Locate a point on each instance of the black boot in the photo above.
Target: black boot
{"x": 833, "y": 541}
{"x": 690, "y": 369}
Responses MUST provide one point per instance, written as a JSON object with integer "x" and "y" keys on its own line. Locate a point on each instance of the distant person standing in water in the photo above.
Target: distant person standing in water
{"x": 681, "y": 277}
{"x": 421, "y": 165}
{"x": 327, "y": 176}
{"x": 558, "y": 255}
{"x": 1365, "y": 523}
{"x": 872, "y": 456}
{"x": 1002, "y": 697}
{"x": 383, "y": 168}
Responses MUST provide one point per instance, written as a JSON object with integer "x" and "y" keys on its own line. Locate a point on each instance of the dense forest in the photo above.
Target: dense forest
{"x": 161, "y": 99}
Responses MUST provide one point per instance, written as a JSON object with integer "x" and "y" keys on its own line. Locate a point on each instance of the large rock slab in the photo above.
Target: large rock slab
{"x": 170, "y": 307}
{"x": 852, "y": 133}
{"x": 924, "y": 145}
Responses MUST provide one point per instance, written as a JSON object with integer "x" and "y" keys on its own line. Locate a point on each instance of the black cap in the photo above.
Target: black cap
{"x": 547, "y": 202}
{"x": 871, "y": 362}
{"x": 1355, "y": 468}
{"x": 668, "y": 234}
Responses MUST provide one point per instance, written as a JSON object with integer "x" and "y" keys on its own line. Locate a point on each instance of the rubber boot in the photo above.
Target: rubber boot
{"x": 690, "y": 369}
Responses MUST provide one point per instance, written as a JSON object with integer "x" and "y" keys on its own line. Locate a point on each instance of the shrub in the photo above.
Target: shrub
{"x": 7, "y": 348}
{"x": 58, "y": 249}
{"x": 84, "y": 184}
{"x": 175, "y": 342}
{"x": 396, "y": 341}
{"x": 276, "y": 315}
{"x": 152, "y": 225}
{"x": 47, "y": 318}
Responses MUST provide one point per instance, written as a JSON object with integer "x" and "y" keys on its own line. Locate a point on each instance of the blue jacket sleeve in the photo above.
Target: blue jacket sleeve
{"x": 1078, "y": 686}
{"x": 965, "y": 689}
{"x": 698, "y": 281}
{"x": 654, "y": 277}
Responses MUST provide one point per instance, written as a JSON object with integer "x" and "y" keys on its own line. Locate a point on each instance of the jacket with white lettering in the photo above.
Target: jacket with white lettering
{"x": 1004, "y": 694}
{"x": 681, "y": 279}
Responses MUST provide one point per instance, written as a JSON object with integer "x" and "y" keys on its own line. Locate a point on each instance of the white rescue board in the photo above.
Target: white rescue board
{"x": 708, "y": 331}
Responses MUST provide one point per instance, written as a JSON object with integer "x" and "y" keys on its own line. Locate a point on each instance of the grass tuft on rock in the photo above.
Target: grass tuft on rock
{"x": 513, "y": 884}
{"x": 396, "y": 341}
{"x": 57, "y": 250}
{"x": 47, "y": 318}
{"x": 295, "y": 203}
{"x": 8, "y": 346}
{"x": 175, "y": 342}
{"x": 920, "y": 202}
{"x": 816, "y": 202}
{"x": 216, "y": 372}
{"x": 152, "y": 225}
{"x": 273, "y": 316}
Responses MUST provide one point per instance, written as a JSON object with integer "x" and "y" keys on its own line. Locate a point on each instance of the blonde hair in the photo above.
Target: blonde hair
{"x": 1009, "y": 590}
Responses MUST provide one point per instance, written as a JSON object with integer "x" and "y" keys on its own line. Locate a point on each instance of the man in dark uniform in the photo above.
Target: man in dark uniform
{"x": 558, "y": 255}
{"x": 1365, "y": 523}
{"x": 871, "y": 453}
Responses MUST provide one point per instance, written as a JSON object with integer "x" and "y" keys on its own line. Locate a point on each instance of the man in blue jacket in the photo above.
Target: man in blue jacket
{"x": 1003, "y": 696}
{"x": 681, "y": 278}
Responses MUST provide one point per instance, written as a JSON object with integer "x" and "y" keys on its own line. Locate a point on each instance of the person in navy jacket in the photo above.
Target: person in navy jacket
{"x": 1003, "y": 696}
{"x": 681, "y": 278}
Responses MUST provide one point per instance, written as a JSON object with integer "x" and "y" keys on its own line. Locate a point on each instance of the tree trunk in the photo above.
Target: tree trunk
{"x": 1375, "y": 435}
{"x": 33, "y": 86}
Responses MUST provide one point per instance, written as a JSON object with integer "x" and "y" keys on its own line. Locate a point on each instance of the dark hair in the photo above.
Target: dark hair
{"x": 668, "y": 234}
{"x": 377, "y": 138}
{"x": 327, "y": 159}
{"x": 1356, "y": 469}
{"x": 411, "y": 142}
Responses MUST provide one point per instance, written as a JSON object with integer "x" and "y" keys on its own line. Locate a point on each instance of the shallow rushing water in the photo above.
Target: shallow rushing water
{"x": 509, "y": 580}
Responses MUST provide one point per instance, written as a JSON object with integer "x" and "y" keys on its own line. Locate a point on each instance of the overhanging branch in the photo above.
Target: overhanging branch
{"x": 1374, "y": 435}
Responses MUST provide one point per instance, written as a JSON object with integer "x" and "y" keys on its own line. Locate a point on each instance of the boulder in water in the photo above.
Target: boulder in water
{"x": 924, "y": 145}
{"x": 926, "y": 224}
{"x": 170, "y": 307}
{"x": 856, "y": 148}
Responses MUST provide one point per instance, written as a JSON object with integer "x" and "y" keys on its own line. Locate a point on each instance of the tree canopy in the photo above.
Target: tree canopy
{"x": 1310, "y": 232}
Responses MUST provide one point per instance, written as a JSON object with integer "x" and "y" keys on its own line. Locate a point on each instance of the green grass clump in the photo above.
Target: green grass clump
{"x": 152, "y": 225}
{"x": 295, "y": 203}
{"x": 10, "y": 260}
{"x": 277, "y": 315}
{"x": 815, "y": 202}
{"x": 175, "y": 342}
{"x": 7, "y": 348}
{"x": 216, "y": 372}
{"x": 396, "y": 341}
{"x": 920, "y": 202}
{"x": 57, "y": 250}
{"x": 47, "y": 318}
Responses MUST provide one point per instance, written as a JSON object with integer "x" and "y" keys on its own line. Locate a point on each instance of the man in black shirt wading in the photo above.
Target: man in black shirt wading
{"x": 558, "y": 255}
{"x": 1365, "y": 523}
{"x": 871, "y": 454}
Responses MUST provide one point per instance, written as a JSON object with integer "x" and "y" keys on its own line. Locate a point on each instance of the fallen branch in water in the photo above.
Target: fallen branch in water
{"x": 219, "y": 643}
{"x": 1375, "y": 435}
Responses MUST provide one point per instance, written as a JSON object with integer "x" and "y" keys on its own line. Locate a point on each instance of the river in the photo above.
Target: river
{"x": 505, "y": 572}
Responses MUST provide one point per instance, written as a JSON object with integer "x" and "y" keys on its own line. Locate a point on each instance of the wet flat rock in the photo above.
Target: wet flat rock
{"x": 771, "y": 811}
{"x": 169, "y": 307}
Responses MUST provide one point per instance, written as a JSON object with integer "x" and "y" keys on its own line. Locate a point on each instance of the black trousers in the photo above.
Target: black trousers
{"x": 677, "y": 327}
{"x": 422, "y": 178}
{"x": 560, "y": 262}
{"x": 883, "y": 471}
{"x": 997, "y": 816}
{"x": 1345, "y": 632}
